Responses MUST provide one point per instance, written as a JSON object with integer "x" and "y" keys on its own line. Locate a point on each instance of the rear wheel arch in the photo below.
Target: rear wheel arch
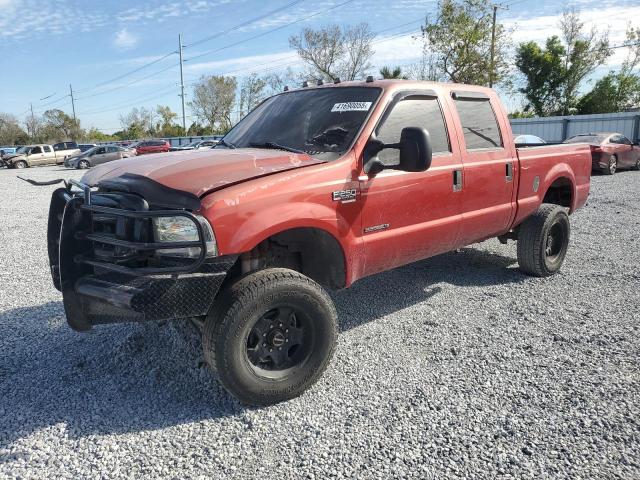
{"x": 560, "y": 192}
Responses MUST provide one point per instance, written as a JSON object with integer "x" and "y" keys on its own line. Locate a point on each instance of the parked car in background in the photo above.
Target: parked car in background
{"x": 34, "y": 155}
{"x": 7, "y": 150}
{"x": 98, "y": 155}
{"x": 150, "y": 146}
{"x": 65, "y": 150}
{"x": 610, "y": 151}
{"x": 86, "y": 146}
{"x": 528, "y": 141}
{"x": 195, "y": 145}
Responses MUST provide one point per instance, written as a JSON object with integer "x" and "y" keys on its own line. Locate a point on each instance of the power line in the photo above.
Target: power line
{"x": 124, "y": 75}
{"x": 243, "y": 24}
{"x": 165, "y": 91}
{"x": 119, "y": 87}
{"x": 216, "y": 50}
{"x": 286, "y": 62}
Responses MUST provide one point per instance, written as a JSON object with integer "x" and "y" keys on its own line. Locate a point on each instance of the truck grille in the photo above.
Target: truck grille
{"x": 113, "y": 232}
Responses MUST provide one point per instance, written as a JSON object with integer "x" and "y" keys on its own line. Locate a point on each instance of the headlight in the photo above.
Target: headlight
{"x": 183, "y": 229}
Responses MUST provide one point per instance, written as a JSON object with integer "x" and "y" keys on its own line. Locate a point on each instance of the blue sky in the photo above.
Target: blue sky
{"x": 46, "y": 45}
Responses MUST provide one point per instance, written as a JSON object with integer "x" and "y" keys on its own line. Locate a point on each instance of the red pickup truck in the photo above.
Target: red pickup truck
{"x": 315, "y": 188}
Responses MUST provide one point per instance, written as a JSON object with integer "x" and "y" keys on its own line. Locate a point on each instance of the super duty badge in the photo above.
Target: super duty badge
{"x": 345, "y": 195}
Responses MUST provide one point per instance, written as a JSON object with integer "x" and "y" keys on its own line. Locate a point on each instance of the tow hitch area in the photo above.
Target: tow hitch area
{"x": 107, "y": 263}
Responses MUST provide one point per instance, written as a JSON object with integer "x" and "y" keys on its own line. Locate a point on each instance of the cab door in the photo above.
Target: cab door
{"x": 36, "y": 156}
{"x": 408, "y": 216}
{"x": 49, "y": 155}
{"x": 99, "y": 156}
{"x": 490, "y": 166}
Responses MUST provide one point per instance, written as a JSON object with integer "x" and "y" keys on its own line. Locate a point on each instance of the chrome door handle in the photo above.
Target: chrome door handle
{"x": 509, "y": 172}
{"x": 457, "y": 180}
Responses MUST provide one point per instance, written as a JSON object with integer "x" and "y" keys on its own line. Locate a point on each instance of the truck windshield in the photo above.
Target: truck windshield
{"x": 322, "y": 122}
{"x": 24, "y": 150}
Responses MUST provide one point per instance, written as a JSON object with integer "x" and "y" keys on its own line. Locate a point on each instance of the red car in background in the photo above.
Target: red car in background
{"x": 151, "y": 146}
{"x": 610, "y": 151}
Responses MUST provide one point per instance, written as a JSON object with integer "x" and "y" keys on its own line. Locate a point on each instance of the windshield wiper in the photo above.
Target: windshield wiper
{"x": 226, "y": 144}
{"x": 276, "y": 146}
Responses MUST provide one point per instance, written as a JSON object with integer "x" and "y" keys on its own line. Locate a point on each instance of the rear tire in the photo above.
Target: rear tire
{"x": 611, "y": 168}
{"x": 543, "y": 240}
{"x": 270, "y": 335}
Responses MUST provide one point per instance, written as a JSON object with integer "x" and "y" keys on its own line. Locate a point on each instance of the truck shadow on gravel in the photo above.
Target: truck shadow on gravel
{"x": 134, "y": 377}
{"x": 388, "y": 292}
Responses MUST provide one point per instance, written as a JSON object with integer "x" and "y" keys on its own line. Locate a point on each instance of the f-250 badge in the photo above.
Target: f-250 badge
{"x": 345, "y": 196}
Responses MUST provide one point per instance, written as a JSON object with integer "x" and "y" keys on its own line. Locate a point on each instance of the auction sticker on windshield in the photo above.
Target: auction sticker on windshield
{"x": 351, "y": 107}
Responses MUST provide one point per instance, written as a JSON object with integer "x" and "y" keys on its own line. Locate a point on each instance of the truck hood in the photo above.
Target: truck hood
{"x": 202, "y": 171}
{"x": 13, "y": 156}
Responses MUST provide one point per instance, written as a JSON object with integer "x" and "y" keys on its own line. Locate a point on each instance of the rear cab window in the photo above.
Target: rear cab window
{"x": 479, "y": 122}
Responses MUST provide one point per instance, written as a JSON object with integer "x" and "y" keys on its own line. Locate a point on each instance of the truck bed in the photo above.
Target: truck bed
{"x": 547, "y": 165}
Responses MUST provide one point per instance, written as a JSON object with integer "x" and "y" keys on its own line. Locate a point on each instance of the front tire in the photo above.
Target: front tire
{"x": 270, "y": 336}
{"x": 637, "y": 165}
{"x": 543, "y": 240}
{"x": 611, "y": 168}
{"x": 83, "y": 164}
{"x": 20, "y": 164}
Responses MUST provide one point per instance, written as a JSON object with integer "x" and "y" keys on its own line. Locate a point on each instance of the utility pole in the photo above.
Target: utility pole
{"x": 493, "y": 46}
{"x": 492, "y": 65}
{"x": 184, "y": 118}
{"x": 73, "y": 103}
{"x": 33, "y": 122}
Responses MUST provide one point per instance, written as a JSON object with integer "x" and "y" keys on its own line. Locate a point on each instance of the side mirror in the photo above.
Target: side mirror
{"x": 415, "y": 152}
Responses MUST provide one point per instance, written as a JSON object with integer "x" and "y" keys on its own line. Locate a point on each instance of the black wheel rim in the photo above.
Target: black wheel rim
{"x": 280, "y": 340}
{"x": 556, "y": 240}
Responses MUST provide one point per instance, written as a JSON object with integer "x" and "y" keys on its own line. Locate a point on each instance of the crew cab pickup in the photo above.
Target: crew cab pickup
{"x": 314, "y": 189}
{"x": 41, "y": 154}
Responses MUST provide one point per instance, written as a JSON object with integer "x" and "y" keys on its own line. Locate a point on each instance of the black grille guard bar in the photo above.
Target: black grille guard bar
{"x": 141, "y": 246}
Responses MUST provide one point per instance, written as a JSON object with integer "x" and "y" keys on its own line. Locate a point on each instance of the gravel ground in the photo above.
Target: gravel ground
{"x": 458, "y": 366}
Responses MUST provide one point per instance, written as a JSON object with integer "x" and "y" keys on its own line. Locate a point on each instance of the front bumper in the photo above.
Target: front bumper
{"x": 111, "y": 278}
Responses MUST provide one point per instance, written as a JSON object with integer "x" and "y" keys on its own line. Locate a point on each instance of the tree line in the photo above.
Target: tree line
{"x": 459, "y": 43}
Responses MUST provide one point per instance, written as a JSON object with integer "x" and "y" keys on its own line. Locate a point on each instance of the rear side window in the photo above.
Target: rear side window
{"x": 414, "y": 111}
{"x": 479, "y": 124}
{"x": 47, "y": 149}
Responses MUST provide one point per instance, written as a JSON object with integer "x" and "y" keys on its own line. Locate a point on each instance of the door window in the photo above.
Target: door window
{"x": 36, "y": 150}
{"x": 112, "y": 149}
{"x": 479, "y": 124}
{"x": 414, "y": 111}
